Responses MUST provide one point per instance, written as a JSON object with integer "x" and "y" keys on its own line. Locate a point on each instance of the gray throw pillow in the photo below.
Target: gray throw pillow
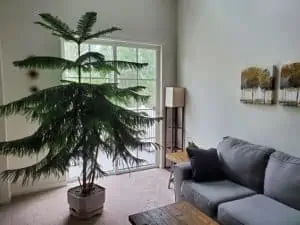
{"x": 205, "y": 163}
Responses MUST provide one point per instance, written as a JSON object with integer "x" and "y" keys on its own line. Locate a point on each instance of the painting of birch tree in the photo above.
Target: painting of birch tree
{"x": 257, "y": 85}
{"x": 290, "y": 85}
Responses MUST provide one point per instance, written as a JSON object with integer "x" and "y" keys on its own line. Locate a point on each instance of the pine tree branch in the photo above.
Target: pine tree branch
{"x": 26, "y": 146}
{"x": 102, "y": 33}
{"x": 41, "y": 101}
{"x": 122, "y": 95}
{"x": 123, "y": 154}
{"x": 89, "y": 57}
{"x": 45, "y": 62}
{"x": 57, "y": 27}
{"x": 121, "y": 65}
{"x": 136, "y": 119}
{"x": 85, "y": 24}
{"x": 61, "y": 152}
{"x": 67, "y": 81}
{"x": 55, "y": 163}
{"x": 52, "y": 134}
{"x": 101, "y": 67}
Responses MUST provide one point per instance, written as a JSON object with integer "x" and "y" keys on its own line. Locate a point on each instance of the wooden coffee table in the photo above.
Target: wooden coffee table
{"x": 181, "y": 213}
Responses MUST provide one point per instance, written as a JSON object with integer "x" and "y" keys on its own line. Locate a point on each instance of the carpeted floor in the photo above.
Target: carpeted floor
{"x": 126, "y": 194}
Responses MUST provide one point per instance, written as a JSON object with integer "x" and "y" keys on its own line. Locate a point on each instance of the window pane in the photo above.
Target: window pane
{"x": 125, "y": 84}
{"x": 102, "y": 75}
{"x": 74, "y": 79}
{"x": 147, "y": 56}
{"x": 107, "y": 51}
{"x": 71, "y": 53}
{"x": 70, "y": 50}
{"x": 100, "y": 81}
{"x": 148, "y": 154}
{"x": 86, "y": 80}
{"x": 150, "y": 131}
{"x": 128, "y": 78}
{"x": 130, "y": 55}
{"x": 150, "y": 91}
{"x": 122, "y": 165}
{"x": 105, "y": 162}
{"x": 126, "y": 54}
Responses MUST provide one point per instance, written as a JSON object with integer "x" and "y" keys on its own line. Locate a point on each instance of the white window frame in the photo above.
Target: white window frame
{"x": 158, "y": 49}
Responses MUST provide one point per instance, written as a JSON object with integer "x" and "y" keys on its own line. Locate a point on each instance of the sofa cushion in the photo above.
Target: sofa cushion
{"x": 282, "y": 179}
{"x": 243, "y": 162}
{"x": 257, "y": 210}
{"x": 208, "y": 195}
{"x": 205, "y": 164}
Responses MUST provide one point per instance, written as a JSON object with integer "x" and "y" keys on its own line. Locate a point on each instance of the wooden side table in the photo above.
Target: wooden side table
{"x": 174, "y": 158}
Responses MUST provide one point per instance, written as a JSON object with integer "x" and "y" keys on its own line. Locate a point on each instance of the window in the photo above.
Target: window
{"x": 148, "y": 77}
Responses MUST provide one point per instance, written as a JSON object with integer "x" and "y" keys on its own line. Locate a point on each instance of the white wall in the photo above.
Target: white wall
{"x": 217, "y": 39}
{"x": 149, "y": 21}
{"x": 5, "y": 192}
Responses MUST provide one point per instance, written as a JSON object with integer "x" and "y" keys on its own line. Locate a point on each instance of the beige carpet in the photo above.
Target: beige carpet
{"x": 126, "y": 194}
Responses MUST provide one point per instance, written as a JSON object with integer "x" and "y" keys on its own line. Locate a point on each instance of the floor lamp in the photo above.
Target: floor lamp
{"x": 174, "y": 120}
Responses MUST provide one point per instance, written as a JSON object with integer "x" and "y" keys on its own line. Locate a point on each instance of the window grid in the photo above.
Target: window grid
{"x": 151, "y": 132}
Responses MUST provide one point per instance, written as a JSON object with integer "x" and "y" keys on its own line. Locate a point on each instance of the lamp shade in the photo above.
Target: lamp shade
{"x": 174, "y": 97}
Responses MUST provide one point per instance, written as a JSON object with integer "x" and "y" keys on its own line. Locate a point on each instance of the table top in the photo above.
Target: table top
{"x": 181, "y": 213}
{"x": 178, "y": 157}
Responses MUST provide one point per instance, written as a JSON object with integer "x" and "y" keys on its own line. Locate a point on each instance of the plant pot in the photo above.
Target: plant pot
{"x": 85, "y": 207}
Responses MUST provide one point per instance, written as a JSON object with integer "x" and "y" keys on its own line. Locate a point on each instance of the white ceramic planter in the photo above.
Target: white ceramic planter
{"x": 86, "y": 207}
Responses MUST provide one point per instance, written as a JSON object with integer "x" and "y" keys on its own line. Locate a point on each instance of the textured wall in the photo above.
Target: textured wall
{"x": 217, "y": 39}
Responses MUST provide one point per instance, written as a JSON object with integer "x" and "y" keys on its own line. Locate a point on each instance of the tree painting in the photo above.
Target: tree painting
{"x": 257, "y": 86}
{"x": 290, "y": 85}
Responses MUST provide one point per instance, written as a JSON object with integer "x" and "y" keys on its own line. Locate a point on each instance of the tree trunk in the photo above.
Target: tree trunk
{"x": 264, "y": 96}
{"x": 94, "y": 167}
{"x": 252, "y": 95}
{"x": 84, "y": 171}
{"x": 79, "y": 67}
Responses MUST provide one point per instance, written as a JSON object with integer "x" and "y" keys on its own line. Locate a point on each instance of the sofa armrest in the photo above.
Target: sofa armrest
{"x": 182, "y": 171}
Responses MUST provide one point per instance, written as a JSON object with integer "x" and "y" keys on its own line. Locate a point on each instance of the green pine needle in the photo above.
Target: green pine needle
{"x": 121, "y": 65}
{"x": 58, "y": 27}
{"x": 102, "y": 33}
{"x": 45, "y": 62}
{"x": 85, "y": 24}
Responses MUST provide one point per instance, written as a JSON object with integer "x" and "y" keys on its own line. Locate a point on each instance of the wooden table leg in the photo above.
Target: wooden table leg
{"x": 171, "y": 178}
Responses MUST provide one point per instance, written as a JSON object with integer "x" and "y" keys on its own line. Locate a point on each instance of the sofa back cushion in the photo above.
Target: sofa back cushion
{"x": 243, "y": 162}
{"x": 282, "y": 179}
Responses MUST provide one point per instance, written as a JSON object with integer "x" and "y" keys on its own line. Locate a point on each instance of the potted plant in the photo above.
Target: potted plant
{"x": 77, "y": 120}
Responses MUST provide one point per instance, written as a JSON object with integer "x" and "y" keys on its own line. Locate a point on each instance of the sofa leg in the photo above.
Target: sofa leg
{"x": 171, "y": 178}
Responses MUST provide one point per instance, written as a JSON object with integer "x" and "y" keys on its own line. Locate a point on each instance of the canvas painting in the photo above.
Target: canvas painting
{"x": 290, "y": 85}
{"x": 258, "y": 85}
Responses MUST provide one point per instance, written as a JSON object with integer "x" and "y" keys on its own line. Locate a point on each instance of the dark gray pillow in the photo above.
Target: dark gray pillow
{"x": 282, "y": 180}
{"x": 243, "y": 162}
{"x": 205, "y": 164}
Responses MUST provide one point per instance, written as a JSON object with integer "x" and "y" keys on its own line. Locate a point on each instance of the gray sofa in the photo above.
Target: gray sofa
{"x": 260, "y": 186}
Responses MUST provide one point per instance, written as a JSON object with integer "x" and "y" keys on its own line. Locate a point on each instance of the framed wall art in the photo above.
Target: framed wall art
{"x": 258, "y": 85}
{"x": 290, "y": 85}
